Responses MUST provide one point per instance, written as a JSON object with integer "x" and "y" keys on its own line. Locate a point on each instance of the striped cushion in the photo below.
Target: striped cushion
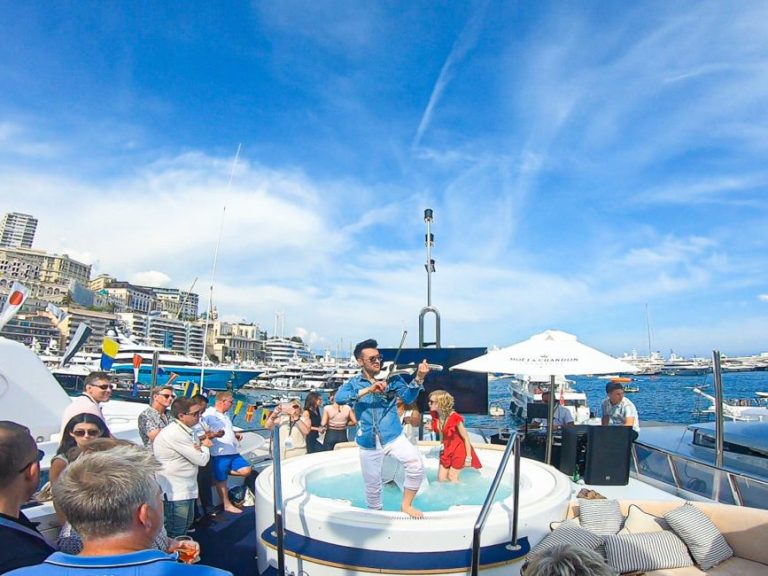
{"x": 602, "y": 517}
{"x": 702, "y": 537}
{"x": 567, "y": 533}
{"x": 555, "y": 525}
{"x": 646, "y": 551}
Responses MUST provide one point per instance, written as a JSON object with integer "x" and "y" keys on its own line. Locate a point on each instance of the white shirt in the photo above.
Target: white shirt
{"x": 175, "y": 447}
{"x": 618, "y": 413}
{"x": 215, "y": 421}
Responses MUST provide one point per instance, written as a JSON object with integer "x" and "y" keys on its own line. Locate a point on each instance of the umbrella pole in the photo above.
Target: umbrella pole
{"x": 550, "y": 418}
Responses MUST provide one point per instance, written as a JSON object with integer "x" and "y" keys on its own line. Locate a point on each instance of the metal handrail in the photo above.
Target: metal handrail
{"x": 485, "y": 510}
{"x": 671, "y": 457}
{"x": 279, "y": 508}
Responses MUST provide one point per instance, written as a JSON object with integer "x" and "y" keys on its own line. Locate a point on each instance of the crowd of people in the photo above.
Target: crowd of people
{"x": 122, "y": 506}
{"x": 128, "y": 507}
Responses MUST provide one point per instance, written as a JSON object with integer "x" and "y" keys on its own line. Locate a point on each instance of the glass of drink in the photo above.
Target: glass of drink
{"x": 189, "y": 550}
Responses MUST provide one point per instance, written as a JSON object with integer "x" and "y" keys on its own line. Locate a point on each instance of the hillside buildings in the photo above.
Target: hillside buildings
{"x": 17, "y": 230}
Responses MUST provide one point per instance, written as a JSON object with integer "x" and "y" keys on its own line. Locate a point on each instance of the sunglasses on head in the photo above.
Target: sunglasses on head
{"x": 39, "y": 456}
{"x": 89, "y": 433}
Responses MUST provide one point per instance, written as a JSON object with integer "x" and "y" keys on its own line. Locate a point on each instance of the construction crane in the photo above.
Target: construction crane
{"x": 186, "y": 296}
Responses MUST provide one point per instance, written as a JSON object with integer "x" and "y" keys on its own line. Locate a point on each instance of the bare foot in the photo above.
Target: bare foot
{"x": 412, "y": 512}
{"x": 232, "y": 510}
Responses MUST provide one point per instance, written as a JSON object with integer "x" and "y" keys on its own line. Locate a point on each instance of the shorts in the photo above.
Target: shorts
{"x": 222, "y": 465}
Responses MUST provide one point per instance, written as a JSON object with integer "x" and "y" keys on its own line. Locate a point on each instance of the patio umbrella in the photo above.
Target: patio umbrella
{"x": 552, "y": 352}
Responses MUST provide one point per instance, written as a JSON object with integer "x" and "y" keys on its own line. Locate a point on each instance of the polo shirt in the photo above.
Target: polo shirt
{"x": 22, "y": 544}
{"x": 144, "y": 563}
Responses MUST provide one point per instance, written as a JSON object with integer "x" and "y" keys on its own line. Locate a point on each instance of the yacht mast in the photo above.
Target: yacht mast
{"x": 213, "y": 271}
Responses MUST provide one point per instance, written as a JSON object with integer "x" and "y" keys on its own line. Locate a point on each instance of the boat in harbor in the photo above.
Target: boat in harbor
{"x": 528, "y": 389}
{"x": 175, "y": 366}
{"x": 739, "y": 410}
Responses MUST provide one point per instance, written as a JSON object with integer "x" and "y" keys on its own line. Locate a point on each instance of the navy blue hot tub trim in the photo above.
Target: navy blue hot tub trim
{"x": 392, "y": 561}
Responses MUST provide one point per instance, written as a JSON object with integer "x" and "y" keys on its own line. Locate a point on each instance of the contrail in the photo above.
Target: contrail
{"x": 463, "y": 44}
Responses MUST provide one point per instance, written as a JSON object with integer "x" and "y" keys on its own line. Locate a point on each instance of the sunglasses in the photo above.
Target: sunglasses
{"x": 102, "y": 386}
{"x": 376, "y": 359}
{"x": 166, "y": 395}
{"x": 89, "y": 433}
{"x": 195, "y": 414}
{"x": 39, "y": 456}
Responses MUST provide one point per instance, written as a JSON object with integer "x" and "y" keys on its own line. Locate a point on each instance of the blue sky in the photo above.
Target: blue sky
{"x": 583, "y": 160}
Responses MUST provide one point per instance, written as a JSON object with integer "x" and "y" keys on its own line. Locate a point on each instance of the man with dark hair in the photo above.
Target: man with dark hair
{"x": 97, "y": 389}
{"x": 177, "y": 448}
{"x": 154, "y": 418}
{"x": 379, "y": 431}
{"x": 207, "y": 510}
{"x": 618, "y": 410}
{"x": 22, "y": 544}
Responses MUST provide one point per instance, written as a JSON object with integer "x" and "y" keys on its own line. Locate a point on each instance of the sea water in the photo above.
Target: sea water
{"x": 660, "y": 398}
{"x": 470, "y": 490}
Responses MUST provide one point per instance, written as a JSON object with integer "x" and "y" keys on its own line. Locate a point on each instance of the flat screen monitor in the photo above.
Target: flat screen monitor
{"x": 536, "y": 410}
{"x": 469, "y": 389}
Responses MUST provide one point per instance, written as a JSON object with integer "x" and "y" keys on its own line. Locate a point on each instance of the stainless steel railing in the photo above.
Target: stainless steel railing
{"x": 512, "y": 446}
{"x": 279, "y": 507}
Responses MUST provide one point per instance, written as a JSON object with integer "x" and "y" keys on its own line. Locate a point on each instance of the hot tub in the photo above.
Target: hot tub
{"x": 326, "y": 535}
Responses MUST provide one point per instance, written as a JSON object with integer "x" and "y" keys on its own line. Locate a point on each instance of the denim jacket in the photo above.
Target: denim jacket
{"x": 377, "y": 413}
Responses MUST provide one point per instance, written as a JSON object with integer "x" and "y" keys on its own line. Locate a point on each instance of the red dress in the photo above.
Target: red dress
{"x": 454, "y": 453}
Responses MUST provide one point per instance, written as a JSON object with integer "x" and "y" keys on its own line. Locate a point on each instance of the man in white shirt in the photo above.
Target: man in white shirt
{"x": 180, "y": 452}
{"x": 618, "y": 410}
{"x": 224, "y": 455}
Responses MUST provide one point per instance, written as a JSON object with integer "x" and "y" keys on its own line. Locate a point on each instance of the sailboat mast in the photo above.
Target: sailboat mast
{"x": 213, "y": 272}
{"x": 648, "y": 329}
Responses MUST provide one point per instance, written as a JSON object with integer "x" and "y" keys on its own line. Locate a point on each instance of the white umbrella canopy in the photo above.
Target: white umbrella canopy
{"x": 552, "y": 352}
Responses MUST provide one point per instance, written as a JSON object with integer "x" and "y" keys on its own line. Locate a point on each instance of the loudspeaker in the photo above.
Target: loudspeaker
{"x": 608, "y": 455}
{"x": 574, "y": 445}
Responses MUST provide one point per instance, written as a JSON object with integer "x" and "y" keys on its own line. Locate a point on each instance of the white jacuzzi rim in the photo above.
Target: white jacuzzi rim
{"x": 296, "y": 495}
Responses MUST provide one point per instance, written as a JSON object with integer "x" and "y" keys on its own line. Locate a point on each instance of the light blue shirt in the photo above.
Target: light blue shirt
{"x": 143, "y": 563}
{"x": 377, "y": 413}
{"x": 617, "y": 413}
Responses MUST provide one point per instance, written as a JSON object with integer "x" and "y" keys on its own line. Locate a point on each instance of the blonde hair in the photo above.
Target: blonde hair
{"x": 444, "y": 402}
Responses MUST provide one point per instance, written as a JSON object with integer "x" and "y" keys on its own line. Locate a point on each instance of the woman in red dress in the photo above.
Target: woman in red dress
{"x": 456, "y": 452}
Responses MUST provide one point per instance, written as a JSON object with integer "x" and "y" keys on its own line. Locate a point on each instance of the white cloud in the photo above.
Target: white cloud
{"x": 763, "y": 297}
{"x": 150, "y": 278}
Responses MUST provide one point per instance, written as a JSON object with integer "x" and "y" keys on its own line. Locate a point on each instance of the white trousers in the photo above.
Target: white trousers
{"x": 371, "y": 460}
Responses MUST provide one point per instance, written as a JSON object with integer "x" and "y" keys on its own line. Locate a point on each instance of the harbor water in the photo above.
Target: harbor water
{"x": 659, "y": 398}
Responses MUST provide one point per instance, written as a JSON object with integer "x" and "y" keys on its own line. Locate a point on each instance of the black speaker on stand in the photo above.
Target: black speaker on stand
{"x": 608, "y": 455}
{"x": 573, "y": 451}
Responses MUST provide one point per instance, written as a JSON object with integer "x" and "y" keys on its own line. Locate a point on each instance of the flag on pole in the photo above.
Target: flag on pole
{"x": 81, "y": 336}
{"x": 190, "y": 388}
{"x": 56, "y": 312}
{"x": 264, "y": 416}
{"x": 108, "y": 352}
{"x": 137, "y": 359}
{"x": 16, "y": 297}
{"x": 562, "y": 398}
{"x": 171, "y": 379}
{"x": 249, "y": 412}
{"x": 238, "y": 407}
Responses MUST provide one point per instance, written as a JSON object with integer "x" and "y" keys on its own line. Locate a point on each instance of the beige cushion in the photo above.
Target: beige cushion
{"x": 732, "y": 567}
{"x": 640, "y": 522}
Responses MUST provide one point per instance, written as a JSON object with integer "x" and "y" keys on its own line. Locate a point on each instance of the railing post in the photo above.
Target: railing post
{"x": 278, "y": 500}
{"x": 485, "y": 510}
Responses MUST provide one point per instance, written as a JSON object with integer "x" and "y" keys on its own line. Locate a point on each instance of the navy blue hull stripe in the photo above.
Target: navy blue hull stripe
{"x": 356, "y": 558}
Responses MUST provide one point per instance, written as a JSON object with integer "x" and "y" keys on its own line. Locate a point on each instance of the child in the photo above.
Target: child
{"x": 456, "y": 451}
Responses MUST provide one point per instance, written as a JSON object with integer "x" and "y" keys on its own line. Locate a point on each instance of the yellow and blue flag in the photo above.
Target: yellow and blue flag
{"x": 108, "y": 352}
